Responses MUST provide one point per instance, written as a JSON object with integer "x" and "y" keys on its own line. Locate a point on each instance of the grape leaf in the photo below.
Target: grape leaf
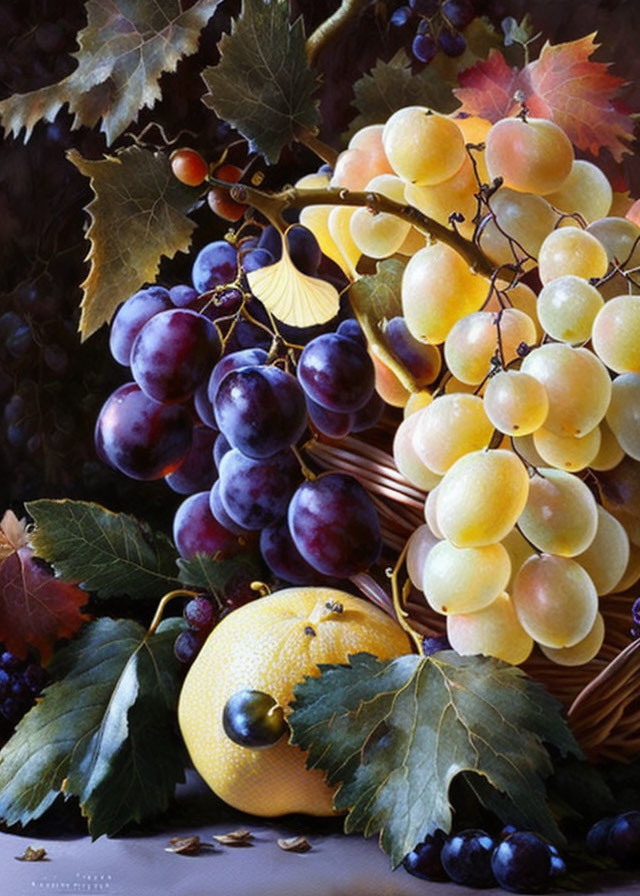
{"x": 124, "y": 48}
{"x": 396, "y": 733}
{"x": 103, "y": 731}
{"x": 563, "y": 84}
{"x": 110, "y": 554}
{"x": 205, "y": 572}
{"x": 36, "y": 609}
{"x": 137, "y": 216}
{"x": 391, "y": 85}
{"x": 263, "y": 84}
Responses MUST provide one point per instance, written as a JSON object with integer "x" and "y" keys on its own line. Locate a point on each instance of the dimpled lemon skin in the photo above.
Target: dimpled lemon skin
{"x": 267, "y": 645}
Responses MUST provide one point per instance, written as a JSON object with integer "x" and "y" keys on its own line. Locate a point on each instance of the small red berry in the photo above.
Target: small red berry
{"x": 189, "y": 167}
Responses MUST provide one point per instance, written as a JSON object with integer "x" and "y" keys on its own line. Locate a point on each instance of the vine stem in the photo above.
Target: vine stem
{"x": 157, "y": 619}
{"x": 325, "y": 152}
{"x": 332, "y": 27}
{"x": 272, "y": 206}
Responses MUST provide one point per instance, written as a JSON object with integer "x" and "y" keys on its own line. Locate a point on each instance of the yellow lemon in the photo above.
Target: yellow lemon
{"x": 269, "y": 645}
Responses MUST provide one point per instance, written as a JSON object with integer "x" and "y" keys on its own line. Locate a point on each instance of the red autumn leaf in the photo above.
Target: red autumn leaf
{"x": 563, "y": 84}
{"x": 36, "y": 609}
{"x": 488, "y": 88}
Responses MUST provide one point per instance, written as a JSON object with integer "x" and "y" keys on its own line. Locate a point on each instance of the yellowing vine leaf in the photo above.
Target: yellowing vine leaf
{"x": 291, "y": 296}
{"x": 125, "y": 47}
{"x": 563, "y": 84}
{"x": 138, "y": 215}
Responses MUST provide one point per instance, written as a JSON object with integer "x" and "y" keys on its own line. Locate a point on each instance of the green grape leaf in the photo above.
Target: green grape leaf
{"x": 102, "y": 732}
{"x": 213, "y": 575}
{"x": 375, "y": 299}
{"x": 391, "y": 85}
{"x": 124, "y": 49}
{"x": 263, "y": 84}
{"x": 395, "y": 734}
{"x": 137, "y": 216}
{"x": 109, "y": 554}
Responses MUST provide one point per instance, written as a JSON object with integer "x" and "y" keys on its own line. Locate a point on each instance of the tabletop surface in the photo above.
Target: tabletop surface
{"x": 139, "y": 865}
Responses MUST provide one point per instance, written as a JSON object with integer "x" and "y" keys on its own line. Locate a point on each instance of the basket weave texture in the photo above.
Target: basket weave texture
{"x": 602, "y": 697}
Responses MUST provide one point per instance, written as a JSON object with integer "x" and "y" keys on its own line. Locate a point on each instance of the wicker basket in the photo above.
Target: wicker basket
{"x": 602, "y": 697}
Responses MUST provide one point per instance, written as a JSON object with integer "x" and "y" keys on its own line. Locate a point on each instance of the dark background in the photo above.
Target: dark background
{"x": 51, "y": 385}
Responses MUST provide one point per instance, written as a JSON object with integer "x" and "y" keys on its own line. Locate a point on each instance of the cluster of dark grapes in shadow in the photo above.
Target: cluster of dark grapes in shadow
{"x": 518, "y": 861}
{"x": 20, "y": 683}
{"x": 438, "y": 26}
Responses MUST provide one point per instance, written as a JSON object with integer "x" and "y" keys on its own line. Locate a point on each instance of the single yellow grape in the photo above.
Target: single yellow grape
{"x": 533, "y": 156}
{"x": 519, "y": 550}
{"x": 561, "y": 514}
{"x": 416, "y": 401}
{"x": 448, "y": 428}
{"x": 407, "y": 460}
{"x": 570, "y": 250}
{"x": 621, "y": 240}
{"x": 610, "y": 452}
{"x": 474, "y": 340}
{"x": 494, "y": 631}
{"x": 419, "y": 545}
{"x": 555, "y": 600}
{"x": 607, "y": 556}
{"x": 577, "y": 384}
{"x": 519, "y": 296}
{"x": 481, "y": 496}
{"x": 582, "y": 652}
{"x": 339, "y": 223}
{"x": 520, "y": 223}
{"x": 586, "y": 191}
{"x": 623, "y": 414}
{"x": 379, "y": 234}
{"x": 567, "y": 452}
{"x": 567, "y": 308}
{"x": 422, "y": 146}
{"x": 456, "y": 194}
{"x": 431, "y": 513}
{"x": 632, "y": 572}
{"x": 515, "y": 402}
{"x": 464, "y": 580}
{"x": 438, "y": 289}
{"x": 369, "y": 140}
{"x": 616, "y": 334}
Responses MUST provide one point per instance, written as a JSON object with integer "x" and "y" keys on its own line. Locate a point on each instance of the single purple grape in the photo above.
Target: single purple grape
{"x": 459, "y": 13}
{"x": 336, "y": 372}
{"x": 401, "y": 16}
{"x": 466, "y": 857}
{"x": 173, "y": 353}
{"x": 215, "y": 265}
{"x": 425, "y": 860}
{"x": 451, "y": 43}
{"x": 283, "y": 558}
{"x": 197, "y": 472}
{"x": 424, "y": 48}
{"x": 199, "y": 614}
{"x": 182, "y": 296}
{"x": 197, "y": 531}
{"x": 187, "y": 645}
{"x": 334, "y": 525}
{"x": 435, "y": 644}
{"x": 131, "y": 318}
{"x": 521, "y": 863}
{"x": 142, "y": 438}
{"x": 623, "y": 842}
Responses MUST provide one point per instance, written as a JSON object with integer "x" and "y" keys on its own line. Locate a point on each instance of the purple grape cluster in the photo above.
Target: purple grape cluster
{"x": 440, "y": 24}
{"x": 217, "y": 405}
{"x": 617, "y": 838}
{"x": 517, "y": 861}
{"x": 20, "y": 683}
{"x": 201, "y": 617}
